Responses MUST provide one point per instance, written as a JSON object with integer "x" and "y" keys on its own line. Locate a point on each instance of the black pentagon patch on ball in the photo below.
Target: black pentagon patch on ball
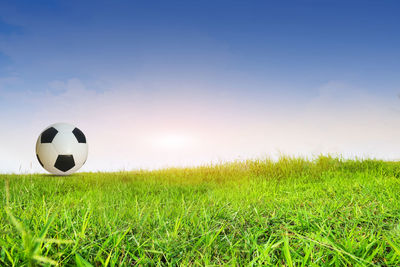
{"x": 64, "y": 162}
{"x": 39, "y": 160}
{"x": 79, "y": 135}
{"x": 48, "y": 135}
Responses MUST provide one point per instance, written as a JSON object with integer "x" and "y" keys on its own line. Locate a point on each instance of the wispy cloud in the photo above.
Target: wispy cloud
{"x": 125, "y": 123}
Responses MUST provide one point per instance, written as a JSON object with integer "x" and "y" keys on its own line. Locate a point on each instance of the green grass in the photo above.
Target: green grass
{"x": 292, "y": 212}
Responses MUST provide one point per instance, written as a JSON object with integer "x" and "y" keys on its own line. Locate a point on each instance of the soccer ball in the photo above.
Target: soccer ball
{"x": 61, "y": 149}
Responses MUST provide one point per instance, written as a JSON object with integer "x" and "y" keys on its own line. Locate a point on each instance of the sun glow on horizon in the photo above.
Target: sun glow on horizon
{"x": 173, "y": 141}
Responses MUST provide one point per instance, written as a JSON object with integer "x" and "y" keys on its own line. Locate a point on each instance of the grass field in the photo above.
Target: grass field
{"x": 292, "y": 212}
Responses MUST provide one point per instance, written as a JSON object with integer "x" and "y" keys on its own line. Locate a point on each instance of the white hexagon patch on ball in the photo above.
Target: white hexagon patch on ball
{"x": 62, "y": 149}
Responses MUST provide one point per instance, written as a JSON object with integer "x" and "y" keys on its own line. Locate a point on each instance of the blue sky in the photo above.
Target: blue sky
{"x": 239, "y": 78}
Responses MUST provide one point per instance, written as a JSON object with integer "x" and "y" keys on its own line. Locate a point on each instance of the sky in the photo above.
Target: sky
{"x": 156, "y": 84}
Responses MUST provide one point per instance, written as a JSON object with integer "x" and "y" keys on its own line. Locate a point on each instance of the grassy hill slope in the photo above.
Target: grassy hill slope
{"x": 293, "y": 212}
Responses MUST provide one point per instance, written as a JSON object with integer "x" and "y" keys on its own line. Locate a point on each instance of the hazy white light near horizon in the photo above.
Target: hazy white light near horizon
{"x": 163, "y": 132}
{"x": 172, "y": 141}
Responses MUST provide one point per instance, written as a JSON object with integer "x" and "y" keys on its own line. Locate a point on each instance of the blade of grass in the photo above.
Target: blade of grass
{"x": 81, "y": 262}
